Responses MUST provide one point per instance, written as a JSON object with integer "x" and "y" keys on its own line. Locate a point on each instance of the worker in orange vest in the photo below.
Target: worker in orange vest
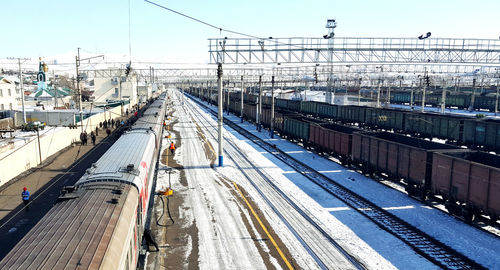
{"x": 172, "y": 147}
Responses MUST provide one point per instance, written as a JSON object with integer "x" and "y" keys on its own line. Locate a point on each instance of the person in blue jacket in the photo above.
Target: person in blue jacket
{"x": 25, "y": 196}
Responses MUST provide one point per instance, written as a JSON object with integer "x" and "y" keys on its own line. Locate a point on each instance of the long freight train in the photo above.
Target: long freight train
{"x": 466, "y": 180}
{"x": 99, "y": 222}
{"x": 457, "y": 129}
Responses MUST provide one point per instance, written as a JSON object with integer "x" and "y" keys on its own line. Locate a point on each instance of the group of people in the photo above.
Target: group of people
{"x": 84, "y": 137}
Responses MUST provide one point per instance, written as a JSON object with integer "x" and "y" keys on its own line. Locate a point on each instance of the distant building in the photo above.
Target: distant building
{"x": 144, "y": 92}
{"x": 8, "y": 95}
{"x": 111, "y": 88}
{"x": 344, "y": 99}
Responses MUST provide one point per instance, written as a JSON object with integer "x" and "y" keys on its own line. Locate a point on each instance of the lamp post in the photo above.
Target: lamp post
{"x": 331, "y": 24}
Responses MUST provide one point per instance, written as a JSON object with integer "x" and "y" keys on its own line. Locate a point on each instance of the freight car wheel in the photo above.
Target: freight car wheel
{"x": 422, "y": 195}
{"x": 493, "y": 218}
{"x": 468, "y": 215}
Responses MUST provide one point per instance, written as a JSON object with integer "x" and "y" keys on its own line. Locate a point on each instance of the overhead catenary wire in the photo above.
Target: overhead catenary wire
{"x": 220, "y": 28}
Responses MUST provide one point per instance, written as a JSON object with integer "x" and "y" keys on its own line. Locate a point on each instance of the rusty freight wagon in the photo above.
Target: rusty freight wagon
{"x": 334, "y": 139}
{"x": 397, "y": 156}
{"x": 469, "y": 183}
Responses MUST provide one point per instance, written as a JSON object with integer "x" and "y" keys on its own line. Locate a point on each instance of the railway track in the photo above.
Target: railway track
{"x": 318, "y": 243}
{"x": 424, "y": 244}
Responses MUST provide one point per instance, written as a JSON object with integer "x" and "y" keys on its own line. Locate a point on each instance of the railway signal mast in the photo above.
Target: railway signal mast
{"x": 220, "y": 114}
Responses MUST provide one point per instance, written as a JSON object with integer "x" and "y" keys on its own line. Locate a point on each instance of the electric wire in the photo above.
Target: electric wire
{"x": 220, "y": 28}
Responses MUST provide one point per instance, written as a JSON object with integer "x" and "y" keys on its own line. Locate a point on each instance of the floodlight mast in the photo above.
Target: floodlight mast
{"x": 331, "y": 24}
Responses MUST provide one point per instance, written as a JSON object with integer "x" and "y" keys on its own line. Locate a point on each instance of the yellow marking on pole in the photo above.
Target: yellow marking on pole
{"x": 264, "y": 228}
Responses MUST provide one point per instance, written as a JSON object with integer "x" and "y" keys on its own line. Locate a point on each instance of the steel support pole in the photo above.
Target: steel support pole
{"x": 221, "y": 115}
{"x": 496, "y": 102}
{"x": 210, "y": 93}
{"x": 271, "y": 130}
{"x": 443, "y": 97}
{"x": 423, "y": 93}
{"x": 227, "y": 100}
{"x": 388, "y": 98}
{"x": 241, "y": 100}
{"x": 259, "y": 109}
{"x": 79, "y": 91}
{"x": 22, "y": 91}
{"x": 411, "y": 97}
{"x": 39, "y": 147}
{"x": 378, "y": 95}
{"x": 423, "y": 98}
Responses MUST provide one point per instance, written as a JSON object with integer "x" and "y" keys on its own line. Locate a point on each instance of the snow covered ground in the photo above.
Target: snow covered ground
{"x": 218, "y": 214}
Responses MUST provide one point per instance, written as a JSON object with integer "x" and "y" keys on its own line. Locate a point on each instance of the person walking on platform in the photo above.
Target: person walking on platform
{"x": 92, "y": 137}
{"x": 85, "y": 138}
{"x": 82, "y": 138}
{"x": 172, "y": 148}
{"x": 108, "y": 131}
{"x": 25, "y": 196}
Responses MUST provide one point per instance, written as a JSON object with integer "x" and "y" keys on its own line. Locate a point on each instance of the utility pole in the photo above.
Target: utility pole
{"x": 22, "y": 90}
{"x": 271, "y": 130}
{"x": 54, "y": 86}
{"x": 241, "y": 99}
{"x": 209, "y": 92}
{"x": 388, "y": 98}
{"x": 443, "y": 97}
{"x": 79, "y": 93}
{"x": 496, "y": 102}
{"x": 182, "y": 96}
{"x": 220, "y": 114}
{"x": 227, "y": 99}
{"x": 411, "y": 96}
{"x": 78, "y": 60}
{"x": 426, "y": 79}
{"x": 259, "y": 109}
{"x": 378, "y": 93}
{"x": 21, "y": 82}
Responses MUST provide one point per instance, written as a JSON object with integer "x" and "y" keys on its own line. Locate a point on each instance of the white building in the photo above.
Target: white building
{"x": 114, "y": 87}
{"x": 8, "y": 94}
{"x": 144, "y": 92}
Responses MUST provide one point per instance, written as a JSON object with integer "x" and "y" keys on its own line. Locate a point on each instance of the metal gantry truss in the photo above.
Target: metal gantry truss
{"x": 311, "y": 73}
{"x": 354, "y": 50}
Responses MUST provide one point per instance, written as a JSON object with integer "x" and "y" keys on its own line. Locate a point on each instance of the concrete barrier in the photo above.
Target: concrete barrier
{"x": 28, "y": 155}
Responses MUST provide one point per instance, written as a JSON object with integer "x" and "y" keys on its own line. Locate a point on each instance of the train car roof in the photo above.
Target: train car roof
{"x": 76, "y": 232}
{"x": 114, "y": 164}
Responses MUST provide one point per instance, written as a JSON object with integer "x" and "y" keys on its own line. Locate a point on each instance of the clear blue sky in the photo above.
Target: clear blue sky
{"x": 49, "y": 28}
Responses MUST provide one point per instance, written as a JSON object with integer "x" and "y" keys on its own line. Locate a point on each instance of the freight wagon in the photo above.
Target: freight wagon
{"x": 297, "y": 128}
{"x": 397, "y": 156}
{"x": 469, "y": 183}
{"x": 482, "y": 133}
{"x": 333, "y": 139}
